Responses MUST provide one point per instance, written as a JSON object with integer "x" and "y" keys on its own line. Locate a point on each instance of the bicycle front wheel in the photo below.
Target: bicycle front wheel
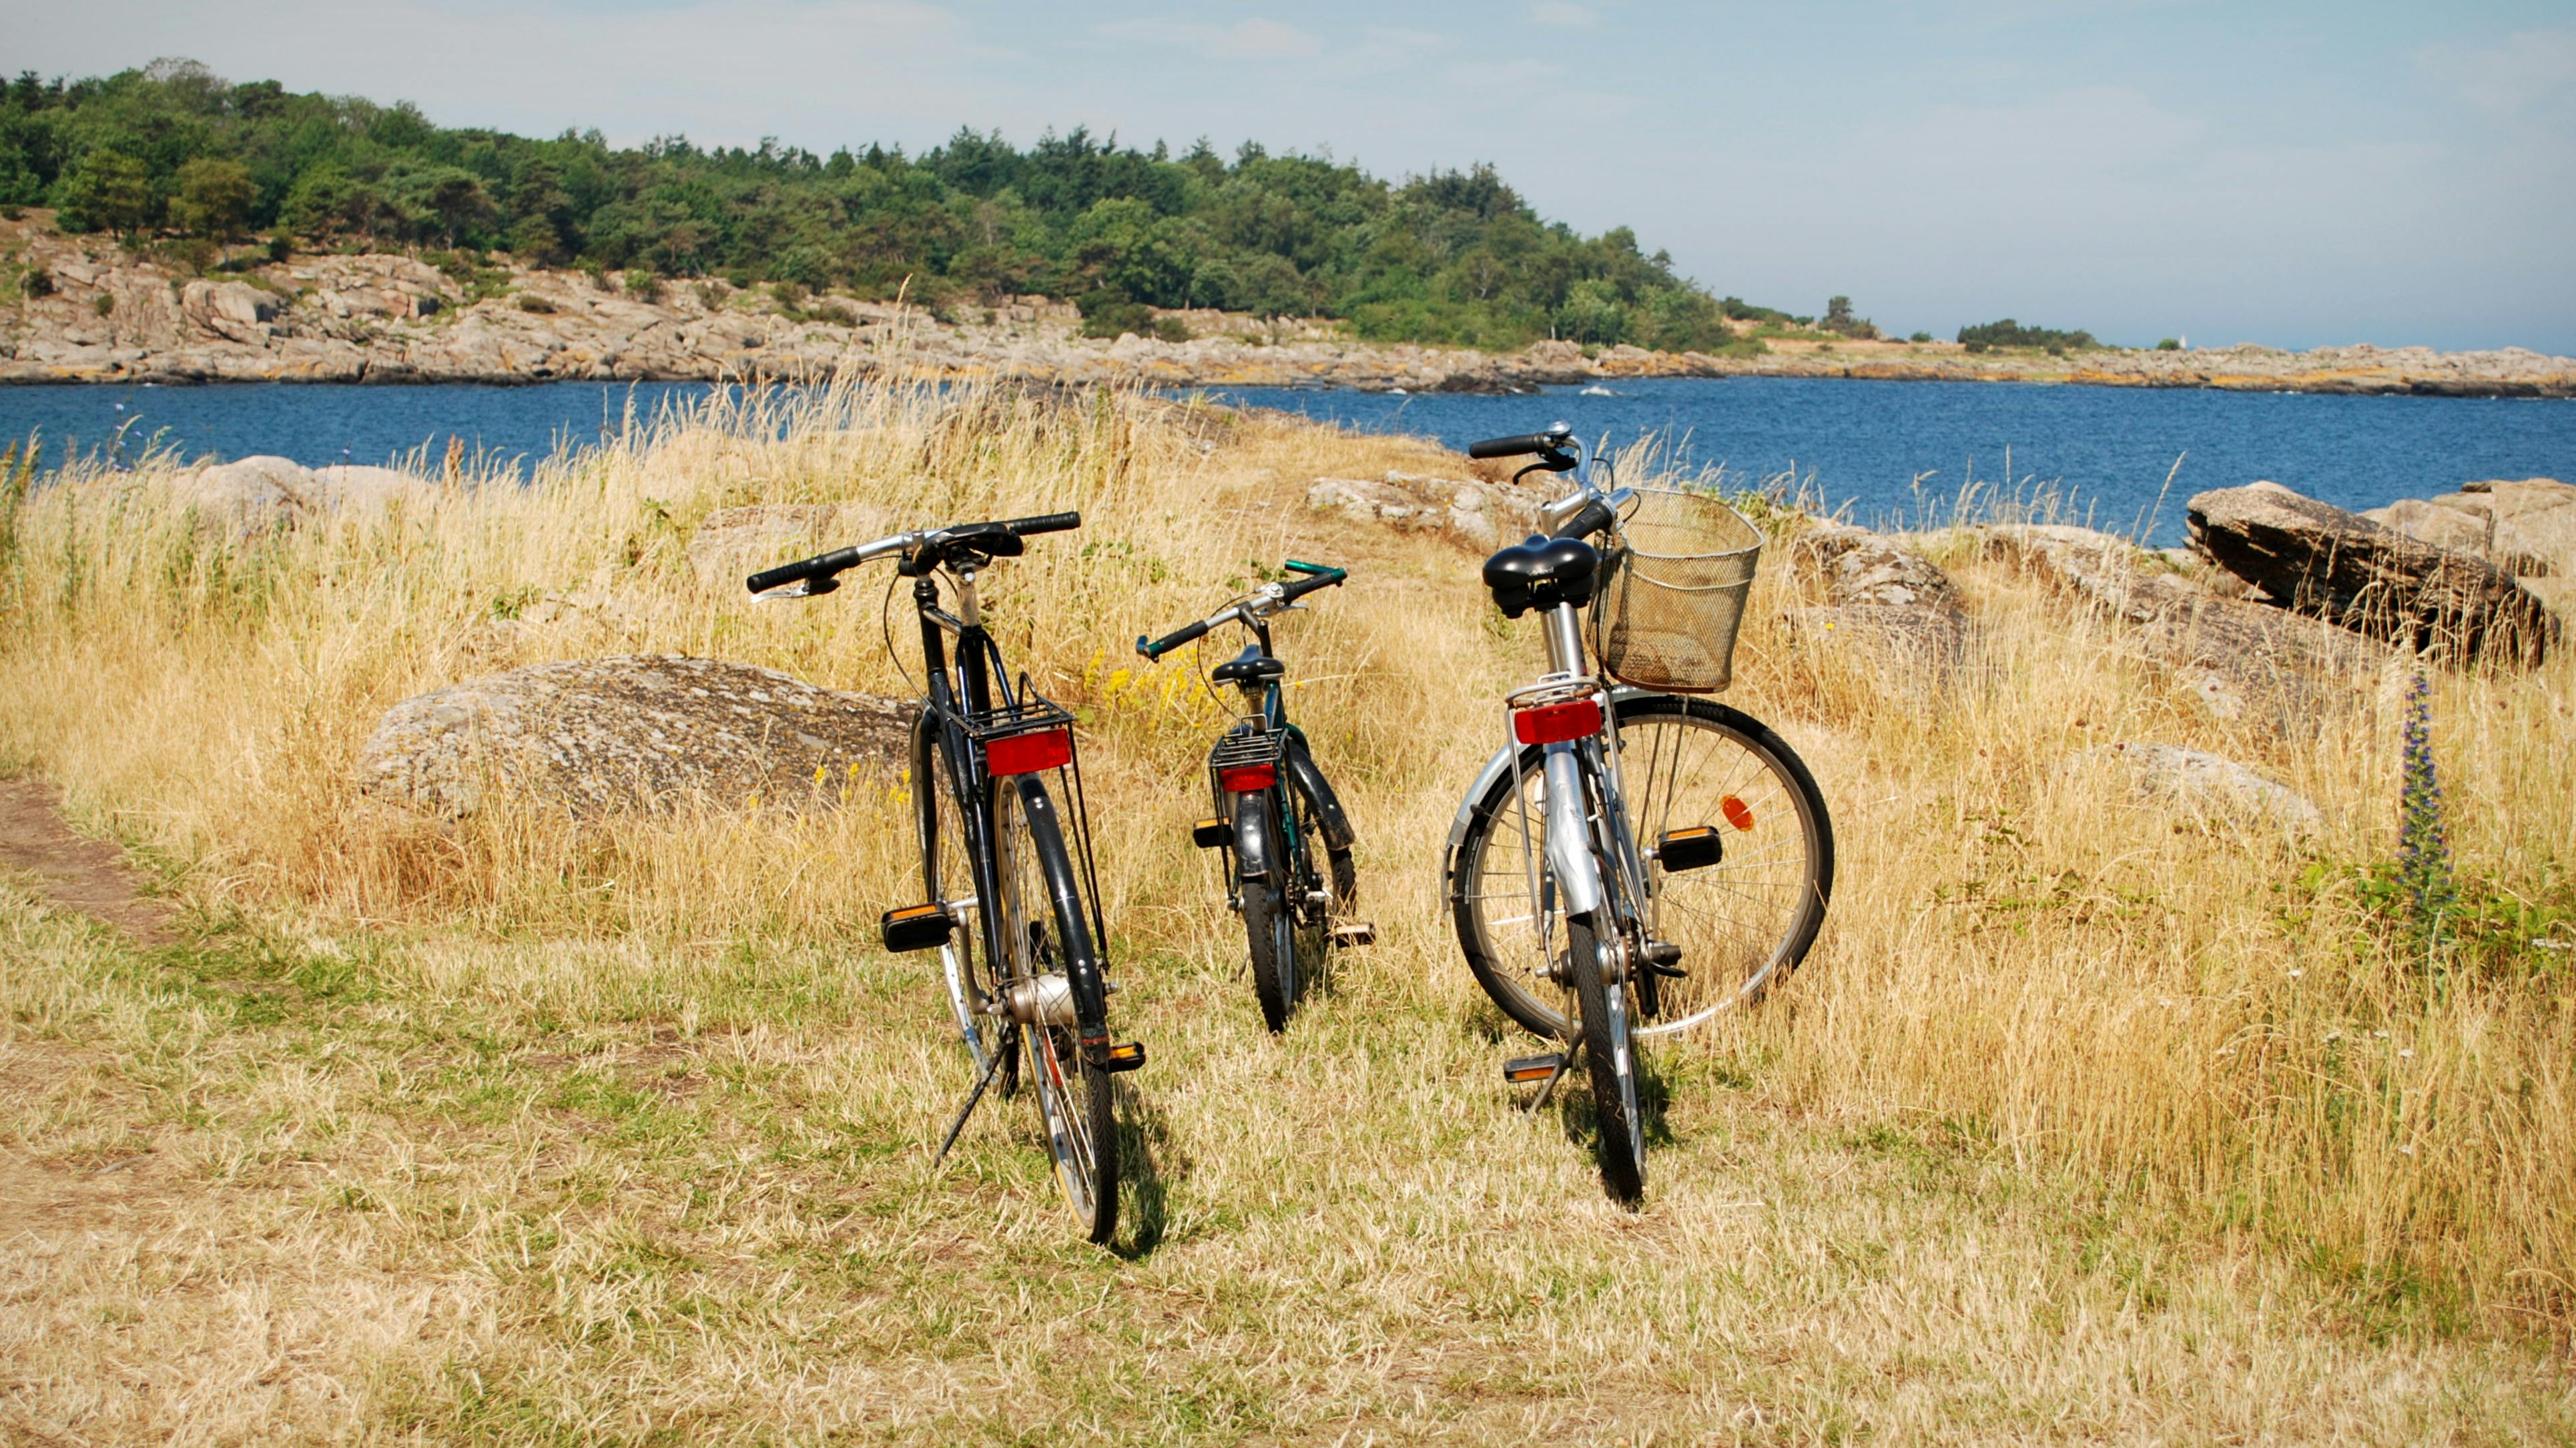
{"x": 1043, "y": 915}
{"x": 948, "y": 875}
{"x": 1741, "y": 920}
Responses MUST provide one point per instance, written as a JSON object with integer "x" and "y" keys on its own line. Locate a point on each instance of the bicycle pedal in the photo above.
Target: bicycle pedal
{"x": 1533, "y": 1068}
{"x": 1349, "y": 934}
{"x": 1124, "y": 1056}
{"x": 916, "y": 927}
{"x": 1208, "y": 834}
{"x": 1665, "y": 959}
{"x": 1695, "y": 848}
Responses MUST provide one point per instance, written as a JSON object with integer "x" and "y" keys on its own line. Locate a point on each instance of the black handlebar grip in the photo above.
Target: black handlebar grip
{"x": 1595, "y": 516}
{"x": 1044, "y": 523}
{"x": 1299, "y": 589}
{"x": 821, "y": 565}
{"x": 1170, "y": 641}
{"x": 1512, "y": 447}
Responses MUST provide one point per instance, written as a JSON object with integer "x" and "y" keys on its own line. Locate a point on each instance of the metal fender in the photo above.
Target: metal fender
{"x": 1252, "y": 835}
{"x": 1569, "y": 843}
{"x": 1329, "y": 817}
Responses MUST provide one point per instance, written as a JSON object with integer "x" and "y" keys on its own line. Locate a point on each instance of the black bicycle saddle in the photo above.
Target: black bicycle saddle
{"x": 1542, "y": 573}
{"x": 1249, "y": 665}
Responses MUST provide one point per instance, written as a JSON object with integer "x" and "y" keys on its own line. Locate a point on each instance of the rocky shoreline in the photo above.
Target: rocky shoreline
{"x": 101, "y": 314}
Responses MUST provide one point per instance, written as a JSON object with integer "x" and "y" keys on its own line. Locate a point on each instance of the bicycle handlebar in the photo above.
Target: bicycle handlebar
{"x": 1275, "y": 595}
{"x": 824, "y": 565}
{"x": 1550, "y": 445}
{"x": 1595, "y": 515}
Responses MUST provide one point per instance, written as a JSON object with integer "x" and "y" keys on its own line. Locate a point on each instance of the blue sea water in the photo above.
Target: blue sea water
{"x": 1891, "y": 451}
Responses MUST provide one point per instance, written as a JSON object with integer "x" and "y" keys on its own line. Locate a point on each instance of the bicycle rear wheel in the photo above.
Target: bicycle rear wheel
{"x": 1610, "y": 1051}
{"x": 1270, "y": 922}
{"x": 1741, "y": 922}
{"x": 1048, "y": 932}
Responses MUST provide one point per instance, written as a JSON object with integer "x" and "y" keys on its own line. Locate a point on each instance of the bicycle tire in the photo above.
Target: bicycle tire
{"x": 1729, "y": 968}
{"x": 947, "y": 873}
{"x": 1610, "y": 1054}
{"x": 1270, "y": 929}
{"x": 1076, "y": 1106}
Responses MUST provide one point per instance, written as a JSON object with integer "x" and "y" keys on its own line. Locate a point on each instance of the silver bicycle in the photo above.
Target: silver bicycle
{"x": 1633, "y": 861}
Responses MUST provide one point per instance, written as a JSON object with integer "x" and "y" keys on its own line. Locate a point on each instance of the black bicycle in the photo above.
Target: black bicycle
{"x": 993, "y": 844}
{"x": 1272, "y": 804}
{"x": 1631, "y": 863}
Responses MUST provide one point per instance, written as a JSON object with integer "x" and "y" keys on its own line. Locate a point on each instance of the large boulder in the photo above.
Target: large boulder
{"x": 2315, "y": 558}
{"x": 256, "y": 494}
{"x": 655, "y": 730}
{"x": 1881, "y": 595}
{"x": 2240, "y": 659}
{"x": 236, "y": 311}
{"x": 2525, "y": 527}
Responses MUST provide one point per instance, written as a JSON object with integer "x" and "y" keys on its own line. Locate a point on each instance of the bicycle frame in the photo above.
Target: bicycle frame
{"x": 956, "y": 706}
{"x": 1570, "y": 833}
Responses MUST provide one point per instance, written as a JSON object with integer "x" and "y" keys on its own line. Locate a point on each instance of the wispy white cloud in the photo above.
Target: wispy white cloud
{"x": 2531, "y": 68}
{"x": 1256, "y": 38}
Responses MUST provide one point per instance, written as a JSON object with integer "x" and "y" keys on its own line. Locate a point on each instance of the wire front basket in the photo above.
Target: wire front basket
{"x": 1672, "y": 594}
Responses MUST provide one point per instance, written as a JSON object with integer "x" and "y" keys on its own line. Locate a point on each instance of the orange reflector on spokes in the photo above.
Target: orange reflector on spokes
{"x": 1029, "y": 753}
{"x": 1737, "y": 812}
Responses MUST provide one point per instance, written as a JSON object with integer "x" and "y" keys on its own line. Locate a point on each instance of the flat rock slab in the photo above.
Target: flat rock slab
{"x": 639, "y": 731}
{"x": 2241, "y": 658}
{"x": 2208, "y": 783}
{"x": 2315, "y": 558}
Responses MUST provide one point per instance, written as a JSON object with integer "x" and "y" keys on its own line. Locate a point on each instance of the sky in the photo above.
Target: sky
{"x": 2291, "y": 173}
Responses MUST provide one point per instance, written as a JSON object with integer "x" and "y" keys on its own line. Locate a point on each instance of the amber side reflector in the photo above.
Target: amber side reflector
{"x": 1737, "y": 812}
{"x": 1695, "y": 848}
{"x": 1208, "y": 834}
{"x": 1030, "y": 753}
{"x": 1555, "y": 723}
{"x": 1125, "y": 1056}
{"x": 1244, "y": 778}
{"x": 916, "y": 927}
{"x": 1533, "y": 1068}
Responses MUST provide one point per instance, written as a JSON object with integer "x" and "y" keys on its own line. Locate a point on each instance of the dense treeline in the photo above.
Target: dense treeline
{"x": 2009, "y": 333}
{"x": 1454, "y": 257}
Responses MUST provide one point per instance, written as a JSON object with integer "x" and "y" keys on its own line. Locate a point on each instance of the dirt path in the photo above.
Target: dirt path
{"x": 74, "y": 873}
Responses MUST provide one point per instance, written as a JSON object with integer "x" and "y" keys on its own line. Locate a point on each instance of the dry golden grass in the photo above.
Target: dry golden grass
{"x": 2087, "y": 1120}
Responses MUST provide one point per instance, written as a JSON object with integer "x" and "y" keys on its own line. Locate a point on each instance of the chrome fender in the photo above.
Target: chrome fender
{"x": 1567, "y": 841}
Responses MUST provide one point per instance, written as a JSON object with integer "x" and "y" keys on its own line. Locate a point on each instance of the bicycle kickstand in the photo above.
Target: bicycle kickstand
{"x": 972, "y": 1097}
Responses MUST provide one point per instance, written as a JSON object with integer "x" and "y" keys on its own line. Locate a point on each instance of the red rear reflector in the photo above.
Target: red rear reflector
{"x": 1737, "y": 812}
{"x": 1554, "y": 723}
{"x": 1245, "y": 778}
{"x": 1030, "y": 753}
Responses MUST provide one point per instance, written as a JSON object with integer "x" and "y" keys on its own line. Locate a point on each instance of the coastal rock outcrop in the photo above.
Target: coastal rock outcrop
{"x": 1880, "y": 593}
{"x": 261, "y": 493}
{"x": 2526, "y": 527}
{"x": 1478, "y": 515}
{"x": 640, "y": 731}
{"x": 2313, "y": 557}
{"x": 2239, "y": 658}
{"x": 2204, "y": 783}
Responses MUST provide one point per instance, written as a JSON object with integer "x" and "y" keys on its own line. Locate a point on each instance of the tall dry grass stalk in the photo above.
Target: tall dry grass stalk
{"x": 2197, "y": 1015}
